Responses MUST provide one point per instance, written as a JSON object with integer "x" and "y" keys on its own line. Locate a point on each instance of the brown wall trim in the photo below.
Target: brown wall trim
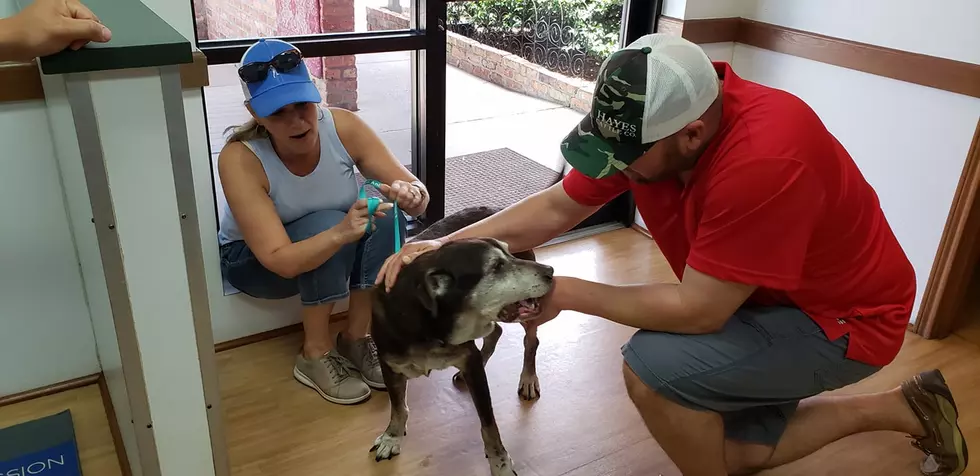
{"x": 712, "y": 30}
{"x": 22, "y": 81}
{"x": 945, "y": 292}
{"x": 271, "y": 334}
{"x": 50, "y": 389}
{"x": 930, "y": 71}
{"x": 110, "y": 414}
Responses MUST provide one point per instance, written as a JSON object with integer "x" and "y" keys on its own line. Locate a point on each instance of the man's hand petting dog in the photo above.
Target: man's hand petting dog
{"x": 551, "y": 304}
{"x": 392, "y": 265}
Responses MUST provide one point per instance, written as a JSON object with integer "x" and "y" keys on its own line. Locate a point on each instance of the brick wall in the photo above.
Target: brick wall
{"x": 201, "y": 19}
{"x": 497, "y": 66}
{"x": 339, "y": 72}
{"x": 335, "y": 77}
{"x": 240, "y": 18}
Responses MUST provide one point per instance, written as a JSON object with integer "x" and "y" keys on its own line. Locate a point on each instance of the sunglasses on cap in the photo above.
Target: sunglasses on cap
{"x": 259, "y": 70}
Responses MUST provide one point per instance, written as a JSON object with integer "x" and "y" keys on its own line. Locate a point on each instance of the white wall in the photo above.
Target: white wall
{"x": 674, "y": 8}
{"x": 949, "y": 32}
{"x": 718, "y": 8}
{"x": 45, "y": 331}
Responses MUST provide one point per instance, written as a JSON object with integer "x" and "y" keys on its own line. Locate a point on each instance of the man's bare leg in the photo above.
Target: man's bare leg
{"x": 694, "y": 440}
{"x": 822, "y": 420}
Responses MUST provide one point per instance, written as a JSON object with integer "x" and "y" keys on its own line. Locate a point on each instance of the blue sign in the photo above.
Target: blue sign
{"x": 43, "y": 447}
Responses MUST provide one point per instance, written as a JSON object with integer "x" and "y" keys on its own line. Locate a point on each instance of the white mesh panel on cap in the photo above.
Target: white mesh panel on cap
{"x": 681, "y": 84}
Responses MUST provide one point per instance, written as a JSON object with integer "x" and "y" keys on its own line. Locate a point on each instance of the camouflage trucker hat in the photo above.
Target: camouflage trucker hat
{"x": 644, "y": 92}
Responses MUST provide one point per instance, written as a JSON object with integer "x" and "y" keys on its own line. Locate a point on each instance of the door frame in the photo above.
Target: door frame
{"x": 956, "y": 259}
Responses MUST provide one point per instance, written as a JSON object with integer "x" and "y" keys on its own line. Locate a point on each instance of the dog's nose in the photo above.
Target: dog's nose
{"x": 548, "y": 272}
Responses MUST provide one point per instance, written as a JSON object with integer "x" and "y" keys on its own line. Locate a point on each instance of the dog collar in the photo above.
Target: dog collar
{"x": 372, "y": 206}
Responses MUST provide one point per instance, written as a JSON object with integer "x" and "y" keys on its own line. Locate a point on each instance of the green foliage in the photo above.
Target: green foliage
{"x": 590, "y": 26}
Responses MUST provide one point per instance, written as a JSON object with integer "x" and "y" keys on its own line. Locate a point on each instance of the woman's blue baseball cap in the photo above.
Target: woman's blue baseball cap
{"x": 278, "y": 89}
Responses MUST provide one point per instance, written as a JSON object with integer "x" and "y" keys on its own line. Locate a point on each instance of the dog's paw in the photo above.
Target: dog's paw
{"x": 529, "y": 388}
{"x": 386, "y": 446}
{"x": 502, "y": 466}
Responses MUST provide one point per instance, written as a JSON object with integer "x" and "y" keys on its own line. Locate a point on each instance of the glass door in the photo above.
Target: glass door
{"x": 520, "y": 75}
{"x": 448, "y": 85}
{"x": 361, "y": 61}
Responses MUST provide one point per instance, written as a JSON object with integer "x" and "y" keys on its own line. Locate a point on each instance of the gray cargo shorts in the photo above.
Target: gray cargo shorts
{"x": 753, "y": 372}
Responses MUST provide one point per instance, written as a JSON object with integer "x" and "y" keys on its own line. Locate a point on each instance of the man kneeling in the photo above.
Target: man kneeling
{"x": 791, "y": 280}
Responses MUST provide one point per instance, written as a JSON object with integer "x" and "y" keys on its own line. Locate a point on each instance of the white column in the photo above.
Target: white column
{"x": 122, "y": 146}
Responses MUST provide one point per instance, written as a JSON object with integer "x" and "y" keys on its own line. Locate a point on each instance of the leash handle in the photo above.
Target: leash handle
{"x": 373, "y": 203}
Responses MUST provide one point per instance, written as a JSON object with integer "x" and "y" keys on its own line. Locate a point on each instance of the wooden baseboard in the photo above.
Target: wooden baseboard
{"x": 117, "y": 439}
{"x": 50, "y": 389}
{"x": 931, "y": 71}
{"x": 270, "y": 334}
{"x": 641, "y": 230}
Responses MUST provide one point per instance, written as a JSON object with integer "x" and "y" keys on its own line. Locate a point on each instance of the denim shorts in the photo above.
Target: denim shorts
{"x": 354, "y": 266}
{"x": 753, "y": 372}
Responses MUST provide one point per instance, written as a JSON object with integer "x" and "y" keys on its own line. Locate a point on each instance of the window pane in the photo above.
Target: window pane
{"x": 233, "y": 19}
{"x": 375, "y": 86}
{"x": 520, "y": 76}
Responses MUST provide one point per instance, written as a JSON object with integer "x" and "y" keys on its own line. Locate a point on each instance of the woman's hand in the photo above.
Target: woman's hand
{"x": 355, "y": 223}
{"x": 407, "y": 195}
{"x": 392, "y": 265}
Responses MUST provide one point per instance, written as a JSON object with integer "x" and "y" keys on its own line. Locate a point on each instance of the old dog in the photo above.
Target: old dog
{"x": 440, "y": 305}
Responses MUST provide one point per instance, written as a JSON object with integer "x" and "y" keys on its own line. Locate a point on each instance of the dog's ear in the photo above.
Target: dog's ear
{"x": 435, "y": 284}
{"x": 500, "y": 244}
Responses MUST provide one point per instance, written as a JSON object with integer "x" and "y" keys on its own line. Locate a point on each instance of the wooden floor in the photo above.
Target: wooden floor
{"x": 95, "y": 447}
{"x": 583, "y": 425}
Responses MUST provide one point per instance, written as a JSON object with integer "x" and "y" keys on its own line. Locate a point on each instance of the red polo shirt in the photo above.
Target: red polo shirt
{"x": 777, "y": 202}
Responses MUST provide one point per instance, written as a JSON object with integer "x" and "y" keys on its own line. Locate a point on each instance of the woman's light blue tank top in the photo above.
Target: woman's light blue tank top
{"x": 331, "y": 185}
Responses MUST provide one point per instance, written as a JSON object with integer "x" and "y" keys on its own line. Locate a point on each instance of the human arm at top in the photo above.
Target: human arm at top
{"x": 46, "y": 27}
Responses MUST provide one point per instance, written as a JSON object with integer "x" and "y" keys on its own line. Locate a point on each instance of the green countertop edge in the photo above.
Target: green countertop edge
{"x": 140, "y": 39}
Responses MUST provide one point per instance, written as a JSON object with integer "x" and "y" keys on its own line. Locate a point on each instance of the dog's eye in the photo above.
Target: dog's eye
{"x": 498, "y": 265}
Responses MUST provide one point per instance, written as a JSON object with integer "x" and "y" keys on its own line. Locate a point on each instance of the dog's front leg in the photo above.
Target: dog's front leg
{"x": 486, "y": 351}
{"x": 476, "y": 379}
{"x": 389, "y": 443}
{"x": 529, "y": 388}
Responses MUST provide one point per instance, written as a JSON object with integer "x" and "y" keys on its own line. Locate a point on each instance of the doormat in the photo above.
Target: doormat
{"x": 495, "y": 178}
{"x": 44, "y": 447}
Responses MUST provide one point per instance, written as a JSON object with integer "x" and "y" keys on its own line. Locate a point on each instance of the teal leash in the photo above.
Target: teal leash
{"x": 372, "y": 205}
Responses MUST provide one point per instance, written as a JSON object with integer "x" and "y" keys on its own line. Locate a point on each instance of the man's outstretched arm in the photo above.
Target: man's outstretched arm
{"x": 700, "y": 304}
{"x": 523, "y": 226}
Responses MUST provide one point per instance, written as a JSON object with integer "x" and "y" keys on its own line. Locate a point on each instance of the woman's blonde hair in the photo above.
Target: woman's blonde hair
{"x": 245, "y": 132}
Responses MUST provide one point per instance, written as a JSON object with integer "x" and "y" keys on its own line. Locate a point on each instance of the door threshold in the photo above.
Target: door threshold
{"x": 584, "y": 233}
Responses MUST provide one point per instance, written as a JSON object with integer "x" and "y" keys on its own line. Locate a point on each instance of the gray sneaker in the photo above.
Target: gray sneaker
{"x": 363, "y": 353}
{"x": 330, "y": 377}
